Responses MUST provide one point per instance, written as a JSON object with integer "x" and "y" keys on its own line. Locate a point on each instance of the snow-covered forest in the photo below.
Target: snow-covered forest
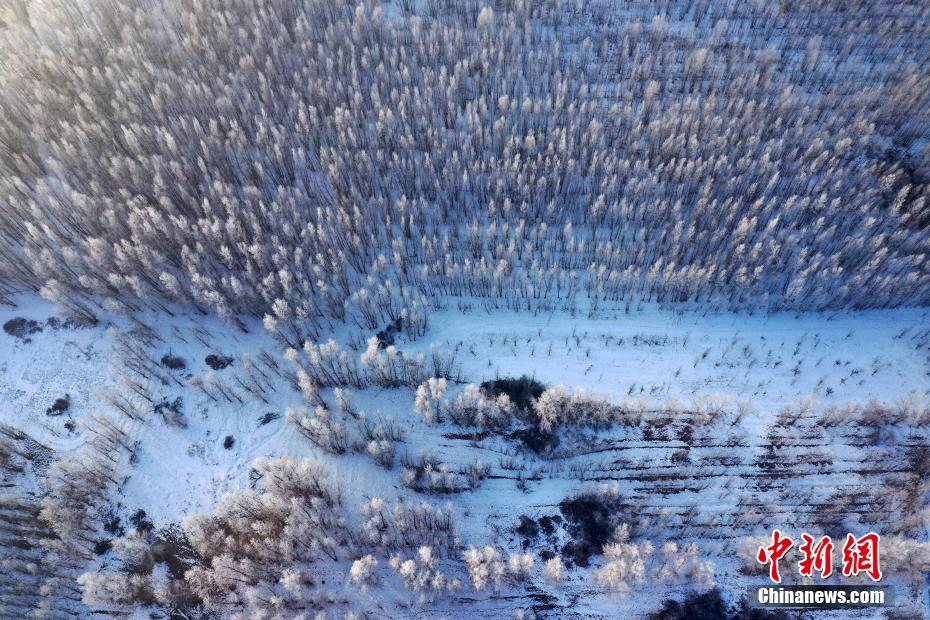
{"x": 458, "y": 308}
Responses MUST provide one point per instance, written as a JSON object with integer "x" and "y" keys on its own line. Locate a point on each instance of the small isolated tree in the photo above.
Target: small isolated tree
{"x": 908, "y": 558}
{"x": 486, "y": 19}
{"x": 429, "y": 402}
{"x": 747, "y": 549}
{"x": 320, "y": 427}
{"x": 363, "y": 572}
{"x": 554, "y": 569}
{"x": 520, "y": 565}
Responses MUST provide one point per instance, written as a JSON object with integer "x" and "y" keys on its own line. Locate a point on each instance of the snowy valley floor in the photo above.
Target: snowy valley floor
{"x": 714, "y": 479}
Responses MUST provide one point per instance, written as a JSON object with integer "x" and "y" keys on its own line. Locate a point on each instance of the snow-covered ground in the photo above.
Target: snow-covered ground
{"x": 769, "y": 359}
{"x": 179, "y": 470}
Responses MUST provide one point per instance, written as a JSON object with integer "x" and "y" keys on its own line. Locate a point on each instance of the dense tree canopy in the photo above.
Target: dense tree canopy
{"x": 301, "y": 160}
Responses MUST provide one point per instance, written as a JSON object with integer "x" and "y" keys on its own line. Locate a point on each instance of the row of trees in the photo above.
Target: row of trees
{"x": 34, "y": 578}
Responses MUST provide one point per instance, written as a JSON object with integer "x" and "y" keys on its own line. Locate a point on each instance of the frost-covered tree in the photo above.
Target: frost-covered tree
{"x": 256, "y": 546}
{"x": 346, "y": 169}
{"x": 364, "y": 571}
{"x": 423, "y": 575}
{"x": 520, "y": 565}
{"x": 485, "y": 567}
{"x": 321, "y": 427}
{"x": 554, "y": 569}
{"x": 625, "y": 564}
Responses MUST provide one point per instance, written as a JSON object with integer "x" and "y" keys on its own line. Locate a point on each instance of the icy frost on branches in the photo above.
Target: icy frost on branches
{"x": 469, "y": 407}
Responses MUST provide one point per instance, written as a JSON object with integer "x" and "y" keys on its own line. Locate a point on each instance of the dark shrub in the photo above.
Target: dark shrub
{"x": 536, "y": 439}
{"x": 59, "y": 406}
{"x": 172, "y": 547}
{"x": 112, "y": 525}
{"x": 21, "y": 328}
{"x": 744, "y": 612}
{"x": 218, "y": 362}
{"x": 578, "y": 553}
{"x": 526, "y": 527}
{"x": 268, "y": 417}
{"x": 102, "y": 546}
{"x": 548, "y": 523}
{"x": 707, "y": 606}
{"x": 522, "y": 391}
{"x": 229, "y": 442}
{"x": 141, "y": 521}
{"x": 171, "y": 412}
{"x": 387, "y": 335}
{"x": 173, "y": 362}
{"x": 711, "y": 606}
{"x": 591, "y": 521}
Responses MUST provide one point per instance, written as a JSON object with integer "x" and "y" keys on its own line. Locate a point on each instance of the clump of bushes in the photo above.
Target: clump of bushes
{"x": 171, "y": 412}
{"x": 140, "y": 520}
{"x": 522, "y": 391}
{"x": 711, "y": 606}
{"x": 173, "y": 362}
{"x": 469, "y": 407}
{"x": 591, "y": 519}
{"x": 218, "y": 362}
{"x": 426, "y": 474}
{"x": 536, "y": 439}
{"x": 60, "y": 406}
{"x": 21, "y": 328}
{"x": 387, "y": 336}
